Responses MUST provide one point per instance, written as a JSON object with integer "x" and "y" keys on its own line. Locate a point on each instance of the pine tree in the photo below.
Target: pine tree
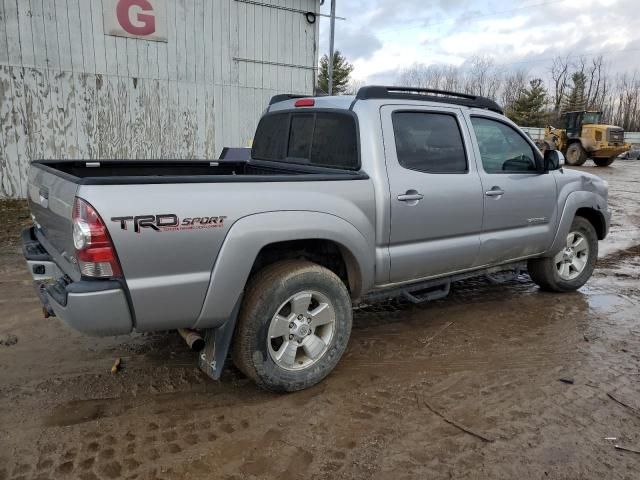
{"x": 341, "y": 72}
{"x": 528, "y": 109}
{"x": 575, "y": 100}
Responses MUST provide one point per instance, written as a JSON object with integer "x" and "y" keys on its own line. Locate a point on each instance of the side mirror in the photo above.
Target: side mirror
{"x": 553, "y": 160}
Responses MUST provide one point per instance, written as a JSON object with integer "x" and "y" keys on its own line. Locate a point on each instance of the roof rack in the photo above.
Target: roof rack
{"x": 427, "y": 94}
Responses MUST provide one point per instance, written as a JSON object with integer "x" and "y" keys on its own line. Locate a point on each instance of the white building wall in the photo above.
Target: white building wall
{"x": 67, "y": 90}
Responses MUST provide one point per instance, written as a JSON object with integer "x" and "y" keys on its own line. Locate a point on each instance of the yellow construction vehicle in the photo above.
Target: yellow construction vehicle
{"x": 583, "y": 136}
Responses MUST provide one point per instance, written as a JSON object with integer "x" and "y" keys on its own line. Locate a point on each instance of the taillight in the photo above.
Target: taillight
{"x": 94, "y": 248}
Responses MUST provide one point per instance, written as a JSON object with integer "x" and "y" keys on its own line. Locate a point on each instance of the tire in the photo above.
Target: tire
{"x": 576, "y": 155}
{"x": 603, "y": 162}
{"x": 546, "y": 272}
{"x": 266, "y": 347}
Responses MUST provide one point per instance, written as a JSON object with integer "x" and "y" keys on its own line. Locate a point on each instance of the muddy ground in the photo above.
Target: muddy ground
{"x": 489, "y": 358}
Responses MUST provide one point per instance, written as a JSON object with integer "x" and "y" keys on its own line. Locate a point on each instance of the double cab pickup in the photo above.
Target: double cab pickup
{"x": 344, "y": 200}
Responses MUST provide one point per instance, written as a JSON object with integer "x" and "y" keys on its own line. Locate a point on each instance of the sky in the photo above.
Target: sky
{"x": 381, "y": 37}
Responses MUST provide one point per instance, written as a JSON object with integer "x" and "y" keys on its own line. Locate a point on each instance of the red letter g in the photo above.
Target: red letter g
{"x": 148, "y": 21}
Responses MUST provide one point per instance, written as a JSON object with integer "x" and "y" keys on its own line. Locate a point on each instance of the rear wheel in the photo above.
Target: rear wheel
{"x": 571, "y": 267}
{"x": 603, "y": 162}
{"x": 293, "y": 327}
{"x": 576, "y": 155}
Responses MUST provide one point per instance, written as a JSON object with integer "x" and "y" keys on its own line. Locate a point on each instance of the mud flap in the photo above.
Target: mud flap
{"x": 216, "y": 345}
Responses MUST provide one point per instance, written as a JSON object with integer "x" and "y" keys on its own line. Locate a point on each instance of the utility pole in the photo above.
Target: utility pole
{"x": 332, "y": 36}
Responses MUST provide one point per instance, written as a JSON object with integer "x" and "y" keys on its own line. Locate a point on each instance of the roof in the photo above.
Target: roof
{"x": 390, "y": 92}
{"x": 283, "y": 102}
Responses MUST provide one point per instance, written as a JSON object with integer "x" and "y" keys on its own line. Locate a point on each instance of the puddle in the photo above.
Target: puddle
{"x": 605, "y": 302}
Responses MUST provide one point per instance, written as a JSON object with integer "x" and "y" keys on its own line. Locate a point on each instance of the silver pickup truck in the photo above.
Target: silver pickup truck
{"x": 345, "y": 200}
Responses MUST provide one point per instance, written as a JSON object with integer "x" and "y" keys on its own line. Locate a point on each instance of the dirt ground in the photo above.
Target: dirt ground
{"x": 488, "y": 358}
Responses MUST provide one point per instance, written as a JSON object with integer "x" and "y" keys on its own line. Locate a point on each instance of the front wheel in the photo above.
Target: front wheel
{"x": 603, "y": 162}
{"x": 571, "y": 267}
{"x": 576, "y": 155}
{"x": 293, "y": 326}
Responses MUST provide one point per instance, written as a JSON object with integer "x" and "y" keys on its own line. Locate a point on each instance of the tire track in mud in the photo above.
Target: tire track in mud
{"x": 630, "y": 254}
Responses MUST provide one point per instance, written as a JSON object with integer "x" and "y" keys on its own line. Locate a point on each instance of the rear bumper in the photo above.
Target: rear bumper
{"x": 94, "y": 307}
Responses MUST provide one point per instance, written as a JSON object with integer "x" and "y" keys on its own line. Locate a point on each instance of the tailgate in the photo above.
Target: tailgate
{"x": 51, "y": 199}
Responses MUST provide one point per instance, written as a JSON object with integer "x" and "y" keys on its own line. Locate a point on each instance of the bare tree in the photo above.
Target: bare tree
{"x": 618, "y": 98}
{"x": 560, "y": 75}
{"x": 451, "y": 79}
{"x": 596, "y": 88}
{"x": 513, "y": 85}
{"x": 353, "y": 86}
{"x": 623, "y": 105}
{"x": 412, "y": 76}
{"x": 433, "y": 76}
{"x": 482, "y": 78}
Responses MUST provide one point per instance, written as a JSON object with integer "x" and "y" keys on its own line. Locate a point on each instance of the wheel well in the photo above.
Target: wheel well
{"x": 595, "y": 218}
{"x": 327, "y": 253}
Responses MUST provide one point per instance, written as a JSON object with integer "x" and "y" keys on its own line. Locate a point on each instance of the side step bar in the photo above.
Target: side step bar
{"x": 421, "y": 294}
{"x": 437, "y": 288}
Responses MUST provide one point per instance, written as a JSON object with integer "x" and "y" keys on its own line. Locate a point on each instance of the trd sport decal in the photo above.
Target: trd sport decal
{"x": 168, "y": 222}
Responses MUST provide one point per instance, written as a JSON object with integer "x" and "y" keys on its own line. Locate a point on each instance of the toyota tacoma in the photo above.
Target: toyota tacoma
{"x": 343, "y": 201}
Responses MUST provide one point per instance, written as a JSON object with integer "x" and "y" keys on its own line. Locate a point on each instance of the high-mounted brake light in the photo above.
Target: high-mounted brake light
{"x": 305, "y": 102}
{"x": 94, "y": 248}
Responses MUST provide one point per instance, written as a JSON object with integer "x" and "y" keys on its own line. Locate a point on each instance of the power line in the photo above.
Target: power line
{"x": 573, "y": 55}
{"x": 492, "y": 14}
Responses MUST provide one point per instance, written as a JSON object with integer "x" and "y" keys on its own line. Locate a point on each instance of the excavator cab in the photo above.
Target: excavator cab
{"x": 573, "y": 122}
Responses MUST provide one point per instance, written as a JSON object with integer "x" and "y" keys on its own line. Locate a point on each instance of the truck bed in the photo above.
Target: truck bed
{"x": 119, "y": 172}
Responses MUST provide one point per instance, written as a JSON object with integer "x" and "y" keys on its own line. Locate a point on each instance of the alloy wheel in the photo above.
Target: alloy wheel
{"x": 572, "y": 259}
{"x": 301, "y": 330}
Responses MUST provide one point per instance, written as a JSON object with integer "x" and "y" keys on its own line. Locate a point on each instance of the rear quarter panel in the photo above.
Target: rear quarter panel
{"x": 168, "y": 271}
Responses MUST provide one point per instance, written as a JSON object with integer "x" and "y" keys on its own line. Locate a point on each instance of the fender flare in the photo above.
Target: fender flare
{"x": 250, "y": 234}
{"x": 574, "y": 202}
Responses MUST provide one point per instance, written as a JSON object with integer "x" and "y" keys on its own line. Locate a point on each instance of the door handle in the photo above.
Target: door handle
{"x": 410, "y": 197}
{"x": 494, "y": 192}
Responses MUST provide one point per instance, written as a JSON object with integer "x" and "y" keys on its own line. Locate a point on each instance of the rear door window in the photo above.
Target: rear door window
{"x": 429, "y": 142}
{"x": 314, "y": 138}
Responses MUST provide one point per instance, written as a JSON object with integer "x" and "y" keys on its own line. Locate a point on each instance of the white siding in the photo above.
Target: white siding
{"x": 69, "y": 91}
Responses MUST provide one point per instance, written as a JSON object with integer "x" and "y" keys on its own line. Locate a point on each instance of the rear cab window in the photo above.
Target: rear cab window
{"x": 318, "y": 138}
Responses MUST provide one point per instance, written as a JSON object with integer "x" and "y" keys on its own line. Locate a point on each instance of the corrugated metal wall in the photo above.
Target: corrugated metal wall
{"x": 69, "y": 91}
